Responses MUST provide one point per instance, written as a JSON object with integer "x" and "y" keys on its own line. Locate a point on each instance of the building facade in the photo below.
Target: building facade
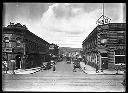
{"x": 26, "y": 48}
{"x": 105, "y": 46}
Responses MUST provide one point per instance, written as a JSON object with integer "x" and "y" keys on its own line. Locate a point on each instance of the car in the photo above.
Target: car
{"x": 47, "y": 66}
{"x": 68, "y": 62}
{"x": 76, "y": 65}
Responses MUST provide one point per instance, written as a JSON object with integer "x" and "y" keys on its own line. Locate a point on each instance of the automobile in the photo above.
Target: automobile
{"x": 68, "y": 62}
{"x": 47, "y": 66}
{"x": 68, "y": 59}
{"x": 76, "y": 64}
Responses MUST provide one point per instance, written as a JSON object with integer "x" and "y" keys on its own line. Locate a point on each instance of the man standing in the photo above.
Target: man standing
{"x": 13, "y": 65}
{"x": 54, "y": 67}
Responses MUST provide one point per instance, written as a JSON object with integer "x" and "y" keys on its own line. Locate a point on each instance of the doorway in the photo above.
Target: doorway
{"x": 104, "y": 61}
{"x": 18, "y": 61}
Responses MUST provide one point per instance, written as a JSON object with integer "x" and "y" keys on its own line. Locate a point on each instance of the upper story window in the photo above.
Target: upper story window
{"x": 3, "y": 44}
{"x": 121, "y": 41}
{"x": 18, "y": 39}
{"x": 120, "y": 52}
{"x": 6, "y": 39}
{"x": 8, "y": 44}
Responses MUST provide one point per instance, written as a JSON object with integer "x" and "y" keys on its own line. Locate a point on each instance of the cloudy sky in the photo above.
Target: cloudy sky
{"x": 65, "y": 24}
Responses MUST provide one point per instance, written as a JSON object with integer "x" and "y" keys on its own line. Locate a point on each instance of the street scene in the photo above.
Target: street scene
{"x": 64, "y": 79}
{"x": 64, "y": 47}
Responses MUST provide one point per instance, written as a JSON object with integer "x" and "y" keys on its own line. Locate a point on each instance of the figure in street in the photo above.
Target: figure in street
{"x": 13, "y": 65}
{"x": 97, "y": 69}
{"x": 54, "y": 67}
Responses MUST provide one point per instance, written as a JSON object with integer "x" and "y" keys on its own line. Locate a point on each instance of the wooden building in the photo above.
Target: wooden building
{"x": 105, "y": 46}
{"x": 28, "y": 49}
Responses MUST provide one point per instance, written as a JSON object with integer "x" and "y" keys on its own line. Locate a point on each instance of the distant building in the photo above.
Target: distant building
{"x": 105, "y": 46}
{"x": 54, "y": 49}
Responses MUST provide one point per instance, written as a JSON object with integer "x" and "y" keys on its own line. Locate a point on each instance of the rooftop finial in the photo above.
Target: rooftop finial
{"x": 103, "y": 19}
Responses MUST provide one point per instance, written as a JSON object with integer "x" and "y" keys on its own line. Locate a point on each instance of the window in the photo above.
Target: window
{"x": 18, "y": 38}
{"x": 120, "y": 52}
{"x": 103, "y": 40}
{"x": 6, "y": 44}
{"x": 6, "y": 39}
{"x": 18, "y": 44}
{"x": 3, "y": 44}
{"x": 121, "y": 41}
{"x": 120, "y": 56}
{"x": 119, "y": 59}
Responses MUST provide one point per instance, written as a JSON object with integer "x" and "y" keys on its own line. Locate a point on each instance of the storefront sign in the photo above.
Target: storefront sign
{"x": 7, "y": 50}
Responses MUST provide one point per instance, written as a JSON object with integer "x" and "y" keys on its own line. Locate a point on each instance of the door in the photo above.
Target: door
{"x": 18, "y": 62}
{"x": 104, "y": 63}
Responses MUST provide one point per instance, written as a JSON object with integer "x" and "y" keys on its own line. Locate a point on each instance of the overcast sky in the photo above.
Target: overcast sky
{"x": 65, "y": 24}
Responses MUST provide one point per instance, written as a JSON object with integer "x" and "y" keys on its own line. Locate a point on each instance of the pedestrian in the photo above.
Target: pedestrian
{"x": 74, "y": 67}
{"x": 124, "y": 78}
{"x": 6, "y": 66}
{"x": 13, "y": 65}
{"x": 54, "y": 67}
{"x": 97, "y": 69}
{"x": 102, "y": 67}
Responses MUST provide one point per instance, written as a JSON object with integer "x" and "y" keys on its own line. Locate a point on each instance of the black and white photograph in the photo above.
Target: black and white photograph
{"x": 63, "y": 47}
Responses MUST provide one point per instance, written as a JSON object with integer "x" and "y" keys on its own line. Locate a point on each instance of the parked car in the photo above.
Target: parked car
{"x": 47, "y": 66}
{"x": 68, "y": 62}
{"x": 77, "y": 64}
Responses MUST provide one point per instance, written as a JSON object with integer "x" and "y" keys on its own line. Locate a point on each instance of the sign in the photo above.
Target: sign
{"x": 103, "y": 20}
{"x": 7, "y": 50}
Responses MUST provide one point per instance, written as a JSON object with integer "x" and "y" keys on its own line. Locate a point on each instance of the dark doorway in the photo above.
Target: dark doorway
{"x": 104, "y": 64}
{"x": 18, "y": 59}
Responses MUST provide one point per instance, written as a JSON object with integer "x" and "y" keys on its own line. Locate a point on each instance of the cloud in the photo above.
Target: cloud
{"x": 70, "y": 24}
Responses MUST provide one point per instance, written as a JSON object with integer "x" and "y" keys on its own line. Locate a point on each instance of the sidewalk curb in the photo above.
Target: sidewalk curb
{"x": 37, "y": 70}
{"x": 103, "y": 73}
{"x": 34, "y": 70}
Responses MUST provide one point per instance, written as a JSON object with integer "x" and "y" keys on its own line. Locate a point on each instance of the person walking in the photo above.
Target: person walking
{"x": 74, "y": 65}
{"x": 54, "y": 67}
{"x": 6, "y": 66}
{"x": 13, "y": 65}
{"x": 97, "y": 68}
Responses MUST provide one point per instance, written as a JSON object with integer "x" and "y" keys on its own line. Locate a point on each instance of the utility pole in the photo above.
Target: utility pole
{"x": 103, "y": 19}
{"x": 103, "y": 13}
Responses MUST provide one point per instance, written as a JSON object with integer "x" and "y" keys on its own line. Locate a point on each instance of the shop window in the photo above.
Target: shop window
{"x": 119, "y": 59}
